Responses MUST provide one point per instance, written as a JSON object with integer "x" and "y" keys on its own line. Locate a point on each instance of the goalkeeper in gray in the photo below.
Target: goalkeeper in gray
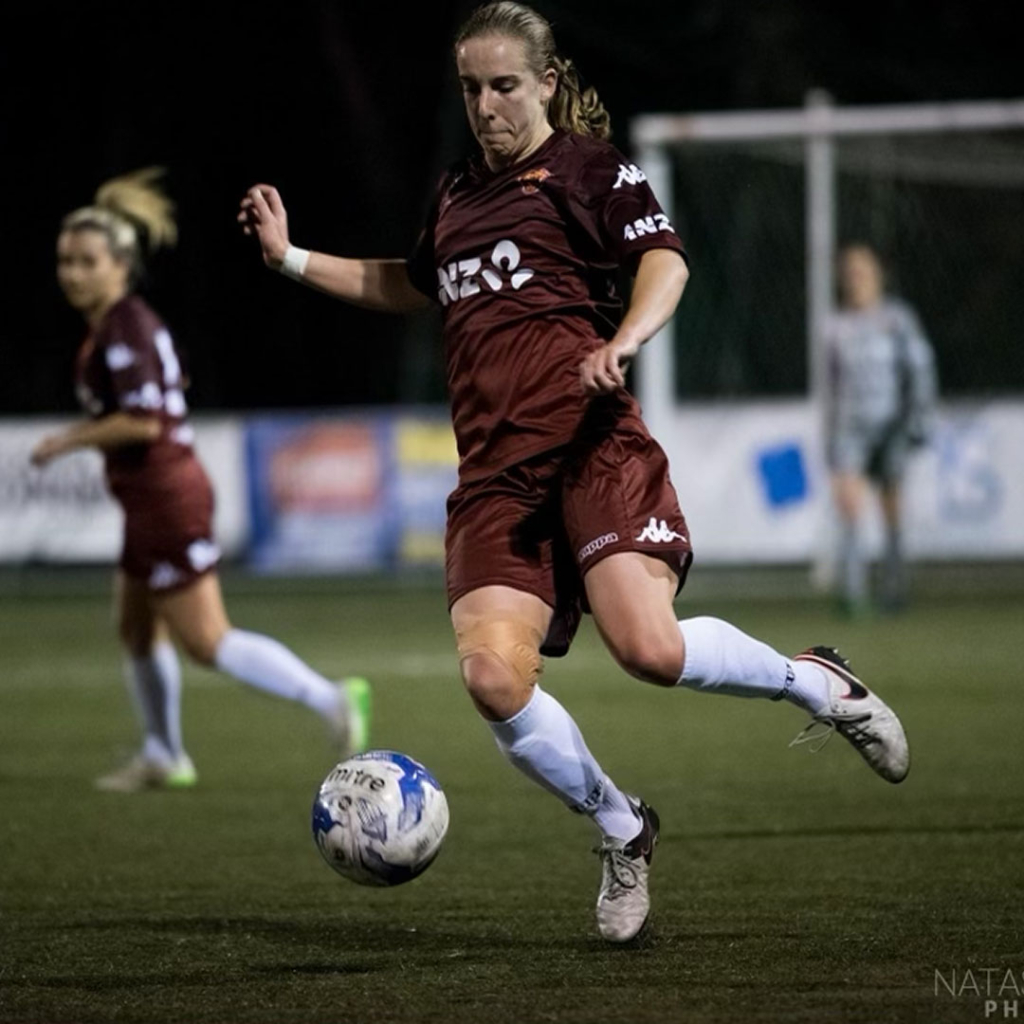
{"x": 883, "y": 389}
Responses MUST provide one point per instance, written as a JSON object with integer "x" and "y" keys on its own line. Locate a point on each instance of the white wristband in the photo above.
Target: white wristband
{"x": 294, "y": 263}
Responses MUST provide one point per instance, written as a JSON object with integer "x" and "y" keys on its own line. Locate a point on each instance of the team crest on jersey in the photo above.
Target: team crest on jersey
{"x": 532, "y": 180}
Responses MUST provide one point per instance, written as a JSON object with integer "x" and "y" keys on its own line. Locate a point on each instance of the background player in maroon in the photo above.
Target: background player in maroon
{"x": 129, "y": 381}
{"x": 564, "y": 501}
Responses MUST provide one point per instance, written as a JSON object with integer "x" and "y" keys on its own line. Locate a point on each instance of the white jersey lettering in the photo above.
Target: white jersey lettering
{"x": 460, "y": 280}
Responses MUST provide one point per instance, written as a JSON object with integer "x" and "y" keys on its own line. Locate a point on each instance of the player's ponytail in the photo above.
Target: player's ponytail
{"x": 133, "y": 212}
{"x": 576, "y": 110}
{"x": 571, "y": 108}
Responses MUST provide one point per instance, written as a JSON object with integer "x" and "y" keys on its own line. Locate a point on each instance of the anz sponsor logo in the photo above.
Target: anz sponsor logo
{"x": 463, "y": 278}
{"x": 629, "y": 174}
{"x": 652, "y": 225}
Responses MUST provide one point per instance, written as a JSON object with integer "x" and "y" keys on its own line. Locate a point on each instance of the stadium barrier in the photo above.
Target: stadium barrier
{"x": 63, "y": 513}
{"x": 358, "y": 492}
{"x": 754, "y": 488}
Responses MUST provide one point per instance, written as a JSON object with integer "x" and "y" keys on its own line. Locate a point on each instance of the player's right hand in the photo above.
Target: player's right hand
{"x": 47, "y": 450}
{"x": 261, "y": 213}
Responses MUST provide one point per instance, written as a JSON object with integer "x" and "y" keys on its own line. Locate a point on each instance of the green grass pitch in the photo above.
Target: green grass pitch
{"x": 788, "y": 886}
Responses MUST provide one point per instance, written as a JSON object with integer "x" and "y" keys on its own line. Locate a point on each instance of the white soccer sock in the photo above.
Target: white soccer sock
{"x": 155, "y": 684}
{"x": 270, "y": 666}
{"x": 853, "y": 564}
{"x": 722, "y": 659}
{"x": 544, "y": 743}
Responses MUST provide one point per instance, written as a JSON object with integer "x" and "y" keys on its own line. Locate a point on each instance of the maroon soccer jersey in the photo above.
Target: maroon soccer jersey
{"x": 129, "y": 364}
{"x": 523, "y": 262}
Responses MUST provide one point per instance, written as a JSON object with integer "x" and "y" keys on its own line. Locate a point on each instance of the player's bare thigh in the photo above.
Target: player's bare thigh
{"x": 850, "y": 491}
{"x": 138, "y": 625}
{"x": 630, "y": 595}
{"x": 499, "y": 631}
{"x": 196, "y": 616}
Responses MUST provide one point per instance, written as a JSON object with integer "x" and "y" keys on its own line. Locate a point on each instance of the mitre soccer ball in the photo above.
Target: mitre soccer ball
{"x": 380, "y": 818}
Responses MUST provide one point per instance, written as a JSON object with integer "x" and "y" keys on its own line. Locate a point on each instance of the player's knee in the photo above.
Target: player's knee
{"x": 500, "y": 663}
{"x": 494, "y": 689}
{"x": 654, "y": 657}
{"x": 201, "y": 645}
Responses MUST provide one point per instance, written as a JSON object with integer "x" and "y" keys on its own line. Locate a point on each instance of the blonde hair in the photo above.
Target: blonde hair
{"x": 133, "y": 212}
{"x": 571, "y": 108}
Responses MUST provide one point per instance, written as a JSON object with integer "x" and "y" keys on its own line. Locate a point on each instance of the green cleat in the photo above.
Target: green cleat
{"x": 351, "y": 724}
{"x": 142, "y": 773}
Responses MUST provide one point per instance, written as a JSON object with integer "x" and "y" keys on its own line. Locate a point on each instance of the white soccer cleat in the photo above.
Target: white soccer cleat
{"x": 142, "y": 773}
{"x": 623, "y": 904}
{"x": 350, "y": 724}
{"x": 858, "y": 715}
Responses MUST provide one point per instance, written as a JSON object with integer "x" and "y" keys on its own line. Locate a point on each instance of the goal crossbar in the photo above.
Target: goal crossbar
{"x": 824, "y": 119}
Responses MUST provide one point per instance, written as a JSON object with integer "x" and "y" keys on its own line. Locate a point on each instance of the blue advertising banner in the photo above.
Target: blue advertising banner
{"x": 349, "y": 493}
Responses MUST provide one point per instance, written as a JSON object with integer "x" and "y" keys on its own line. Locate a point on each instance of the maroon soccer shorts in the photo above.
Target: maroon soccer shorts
{"x": 540, "y": 525}
{"x": 168, "y": 528}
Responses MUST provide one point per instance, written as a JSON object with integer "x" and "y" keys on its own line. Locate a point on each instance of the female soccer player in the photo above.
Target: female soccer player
{"x": 883, "y": 391}
{"x": 129, "y": 381}
{"x": 564, "y": 500}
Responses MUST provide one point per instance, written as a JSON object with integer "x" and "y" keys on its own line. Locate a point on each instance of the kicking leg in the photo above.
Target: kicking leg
{"x": 631, "y": 597}
{"x": 199, "y": 621}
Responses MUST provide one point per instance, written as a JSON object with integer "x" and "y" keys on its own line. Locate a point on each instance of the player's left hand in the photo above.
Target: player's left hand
{"x": 604, "y": 370}
{"x": 47, "y": 450}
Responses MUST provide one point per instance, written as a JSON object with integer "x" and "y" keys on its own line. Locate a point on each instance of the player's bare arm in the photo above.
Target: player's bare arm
{"x": 372, "y": 284}
{"x": 113, "y": 431}
{"x": 660, "y": 280}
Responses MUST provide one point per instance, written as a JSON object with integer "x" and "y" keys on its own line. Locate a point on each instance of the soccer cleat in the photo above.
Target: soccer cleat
{"x": 350, "y": 725}
{"x": 623, "y": 902}
{"x": 142, "y": 773}
{"x": 858, "y": 715}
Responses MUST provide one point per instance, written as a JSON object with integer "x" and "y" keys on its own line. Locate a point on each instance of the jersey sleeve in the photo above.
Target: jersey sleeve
{"x": 132, "y": 353}
{"x": 615, "y": 205}
{"x": 923, "y": 379}
{"x": 421, "y": 264}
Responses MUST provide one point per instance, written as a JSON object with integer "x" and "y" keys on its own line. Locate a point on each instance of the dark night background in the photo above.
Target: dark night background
{"x": 352, "y": 110}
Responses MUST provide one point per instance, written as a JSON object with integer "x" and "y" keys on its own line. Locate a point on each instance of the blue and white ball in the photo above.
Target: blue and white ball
{"x": 380, "y": 818}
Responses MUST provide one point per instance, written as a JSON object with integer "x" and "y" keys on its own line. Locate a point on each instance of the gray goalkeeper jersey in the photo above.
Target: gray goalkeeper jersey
{"x": 882, "y": 370}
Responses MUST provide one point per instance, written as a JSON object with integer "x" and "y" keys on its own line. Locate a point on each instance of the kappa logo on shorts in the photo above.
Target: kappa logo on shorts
{"x": 165, "y": 575}
{"x": 659, "y": 533}
{"x": 595, "y": 545}
{"x": 202, "y": 554}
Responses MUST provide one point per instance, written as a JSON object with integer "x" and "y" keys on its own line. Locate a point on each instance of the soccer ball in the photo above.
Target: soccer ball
{"x": 379, "y": 818}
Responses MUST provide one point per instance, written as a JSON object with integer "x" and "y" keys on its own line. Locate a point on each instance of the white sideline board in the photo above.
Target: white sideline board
{"x": 964, "y": 493}
{"x": 63, "y": 513}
